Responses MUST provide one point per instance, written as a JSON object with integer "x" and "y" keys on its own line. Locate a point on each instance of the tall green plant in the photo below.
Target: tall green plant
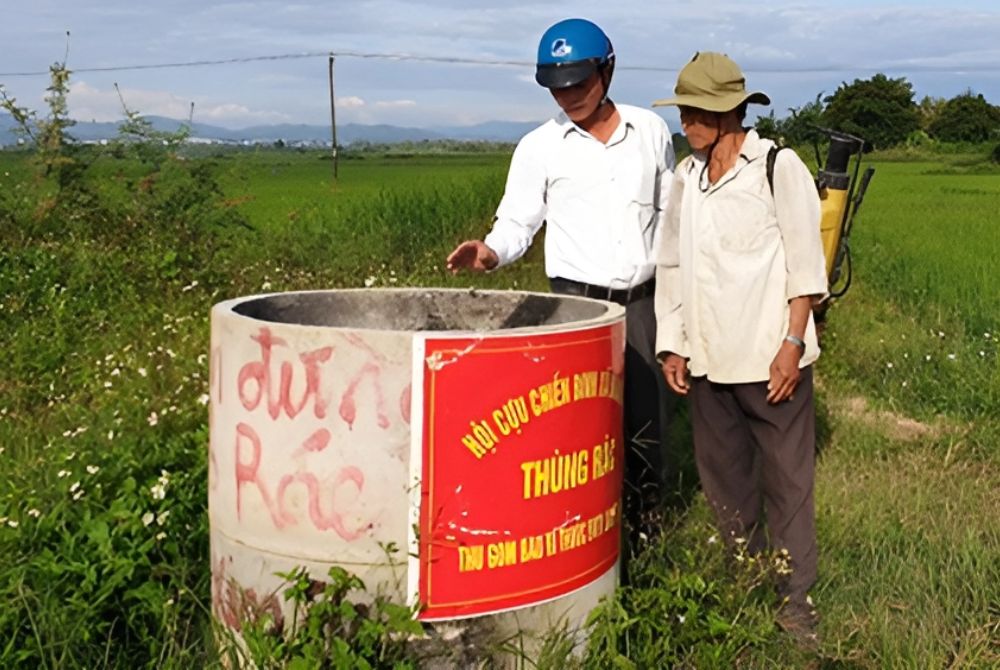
{"x": 139, "y": 139}
{"x": 50, "y": 135}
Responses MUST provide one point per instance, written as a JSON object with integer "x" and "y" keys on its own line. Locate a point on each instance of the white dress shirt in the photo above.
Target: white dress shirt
{"x": 731, "y": 257}
{"x": 602, "y": 203}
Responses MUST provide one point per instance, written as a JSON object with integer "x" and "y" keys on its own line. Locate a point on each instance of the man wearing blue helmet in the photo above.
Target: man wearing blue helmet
{"x": 597, "y": 175}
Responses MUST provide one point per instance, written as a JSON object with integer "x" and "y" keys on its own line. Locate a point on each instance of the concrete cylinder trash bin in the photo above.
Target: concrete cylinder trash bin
{"x": 478, "y": 432}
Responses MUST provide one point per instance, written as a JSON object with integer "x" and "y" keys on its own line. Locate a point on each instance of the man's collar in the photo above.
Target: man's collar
{"x": 567, "y": 126}
{"x": 753, "y": 146}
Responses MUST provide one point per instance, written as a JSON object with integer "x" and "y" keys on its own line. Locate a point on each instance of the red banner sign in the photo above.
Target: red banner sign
{"x": 521, "y": 470}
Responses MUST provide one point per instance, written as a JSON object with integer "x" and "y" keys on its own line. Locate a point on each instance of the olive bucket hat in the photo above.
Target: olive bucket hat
{"x": 713, "y": 82}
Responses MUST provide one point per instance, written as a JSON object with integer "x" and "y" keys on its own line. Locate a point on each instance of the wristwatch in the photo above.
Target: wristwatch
{"x": 797, "y": 341}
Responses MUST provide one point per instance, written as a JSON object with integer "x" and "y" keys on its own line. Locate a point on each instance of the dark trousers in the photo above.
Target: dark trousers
{"x": 645, "y": 398}
{"x": 756, "y": 461}
{"x": 645, "y": 412}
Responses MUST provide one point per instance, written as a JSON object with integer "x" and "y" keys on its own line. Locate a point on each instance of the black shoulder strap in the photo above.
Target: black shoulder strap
{"x": 772, "y": 155}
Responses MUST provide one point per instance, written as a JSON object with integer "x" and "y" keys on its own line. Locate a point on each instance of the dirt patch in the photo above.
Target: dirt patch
{"x": 892, "y": 424}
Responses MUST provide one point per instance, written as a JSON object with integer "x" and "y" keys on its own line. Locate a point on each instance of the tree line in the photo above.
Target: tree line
{"x": 885, "y": 113}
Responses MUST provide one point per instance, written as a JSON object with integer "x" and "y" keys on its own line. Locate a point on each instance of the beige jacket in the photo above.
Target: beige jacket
{"x": 731, "y": 257}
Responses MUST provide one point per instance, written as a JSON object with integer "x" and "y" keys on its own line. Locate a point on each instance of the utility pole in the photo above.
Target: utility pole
{"x": 333, "y": 121}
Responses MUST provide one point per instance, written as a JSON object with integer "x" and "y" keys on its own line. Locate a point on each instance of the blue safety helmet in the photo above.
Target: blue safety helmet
{"x": 570, "y": 51}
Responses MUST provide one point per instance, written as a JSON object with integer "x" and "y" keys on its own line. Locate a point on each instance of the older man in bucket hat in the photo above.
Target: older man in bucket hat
{"x": 738, "y": 271}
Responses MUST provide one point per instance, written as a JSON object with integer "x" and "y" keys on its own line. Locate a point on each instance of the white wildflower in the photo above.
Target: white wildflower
{"x": 33, "y": 512}
{"x": 713, "y": 539}
{"x": 78, "y": 495}
{"x": 63, "y": 473}
{"x": 266, "y": 286}
{"x": 153, "y": 419}
{"x": 951, "y": 357}
{"x": 116, "y": 372}
{"x": 159, "y": 490}
{"x": 161, "y": 518}
{"x": 160, "y": 536}
{"x": 680, "y": 618}
{"x": 203, "y": 399}
{"x": 369, "y": 282}
{"x": 142, "y": 372}
{"x": 147, "y": 518}
{"x": 12, "y": 523}
{"x": 93, "y": 469}
{"x": 107, "y": 385}
{"x": 888, "y": 365}
{"x": 74, "y": 487}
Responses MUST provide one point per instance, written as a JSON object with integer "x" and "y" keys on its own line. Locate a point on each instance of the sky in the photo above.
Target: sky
{"x": 278, "y": 66}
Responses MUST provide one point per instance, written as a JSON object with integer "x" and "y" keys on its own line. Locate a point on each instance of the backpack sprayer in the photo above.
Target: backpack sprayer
{"x": 841, "y": 194}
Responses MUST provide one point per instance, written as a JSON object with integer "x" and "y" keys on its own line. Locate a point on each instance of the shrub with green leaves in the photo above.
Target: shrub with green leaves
{"x": 331, "y": 629}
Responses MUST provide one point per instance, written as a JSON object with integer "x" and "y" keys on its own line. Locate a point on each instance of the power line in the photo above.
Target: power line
{"x": 983, "y": 67}
{"x": 164, "y": 66}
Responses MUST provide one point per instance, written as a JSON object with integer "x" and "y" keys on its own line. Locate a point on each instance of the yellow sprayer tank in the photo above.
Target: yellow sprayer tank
{"x": 834, "y": 190}
{"x": 833, "y": 203}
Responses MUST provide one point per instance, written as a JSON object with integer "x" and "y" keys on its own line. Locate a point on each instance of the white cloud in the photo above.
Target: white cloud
{"x": 350, "y": 102}
{"x": 230, "y": 113}
{"x": 394, "y": 104}
{"x": 88, "y": 103}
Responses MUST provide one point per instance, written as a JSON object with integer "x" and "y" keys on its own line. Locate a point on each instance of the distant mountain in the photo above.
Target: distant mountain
{"x": 491, "y": 131}
{"x": 348, "y": 133}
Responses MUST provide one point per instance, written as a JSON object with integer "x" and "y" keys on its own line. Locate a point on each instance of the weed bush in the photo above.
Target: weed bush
{"x": 333, "y": 632}
{"x": 102, "y": 416}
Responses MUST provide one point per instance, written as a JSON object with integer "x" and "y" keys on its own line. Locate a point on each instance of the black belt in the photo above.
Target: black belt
{"x": 622, "y": 296}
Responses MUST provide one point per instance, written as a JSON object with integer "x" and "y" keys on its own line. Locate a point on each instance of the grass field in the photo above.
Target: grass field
{"x": 104, "y": 322}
